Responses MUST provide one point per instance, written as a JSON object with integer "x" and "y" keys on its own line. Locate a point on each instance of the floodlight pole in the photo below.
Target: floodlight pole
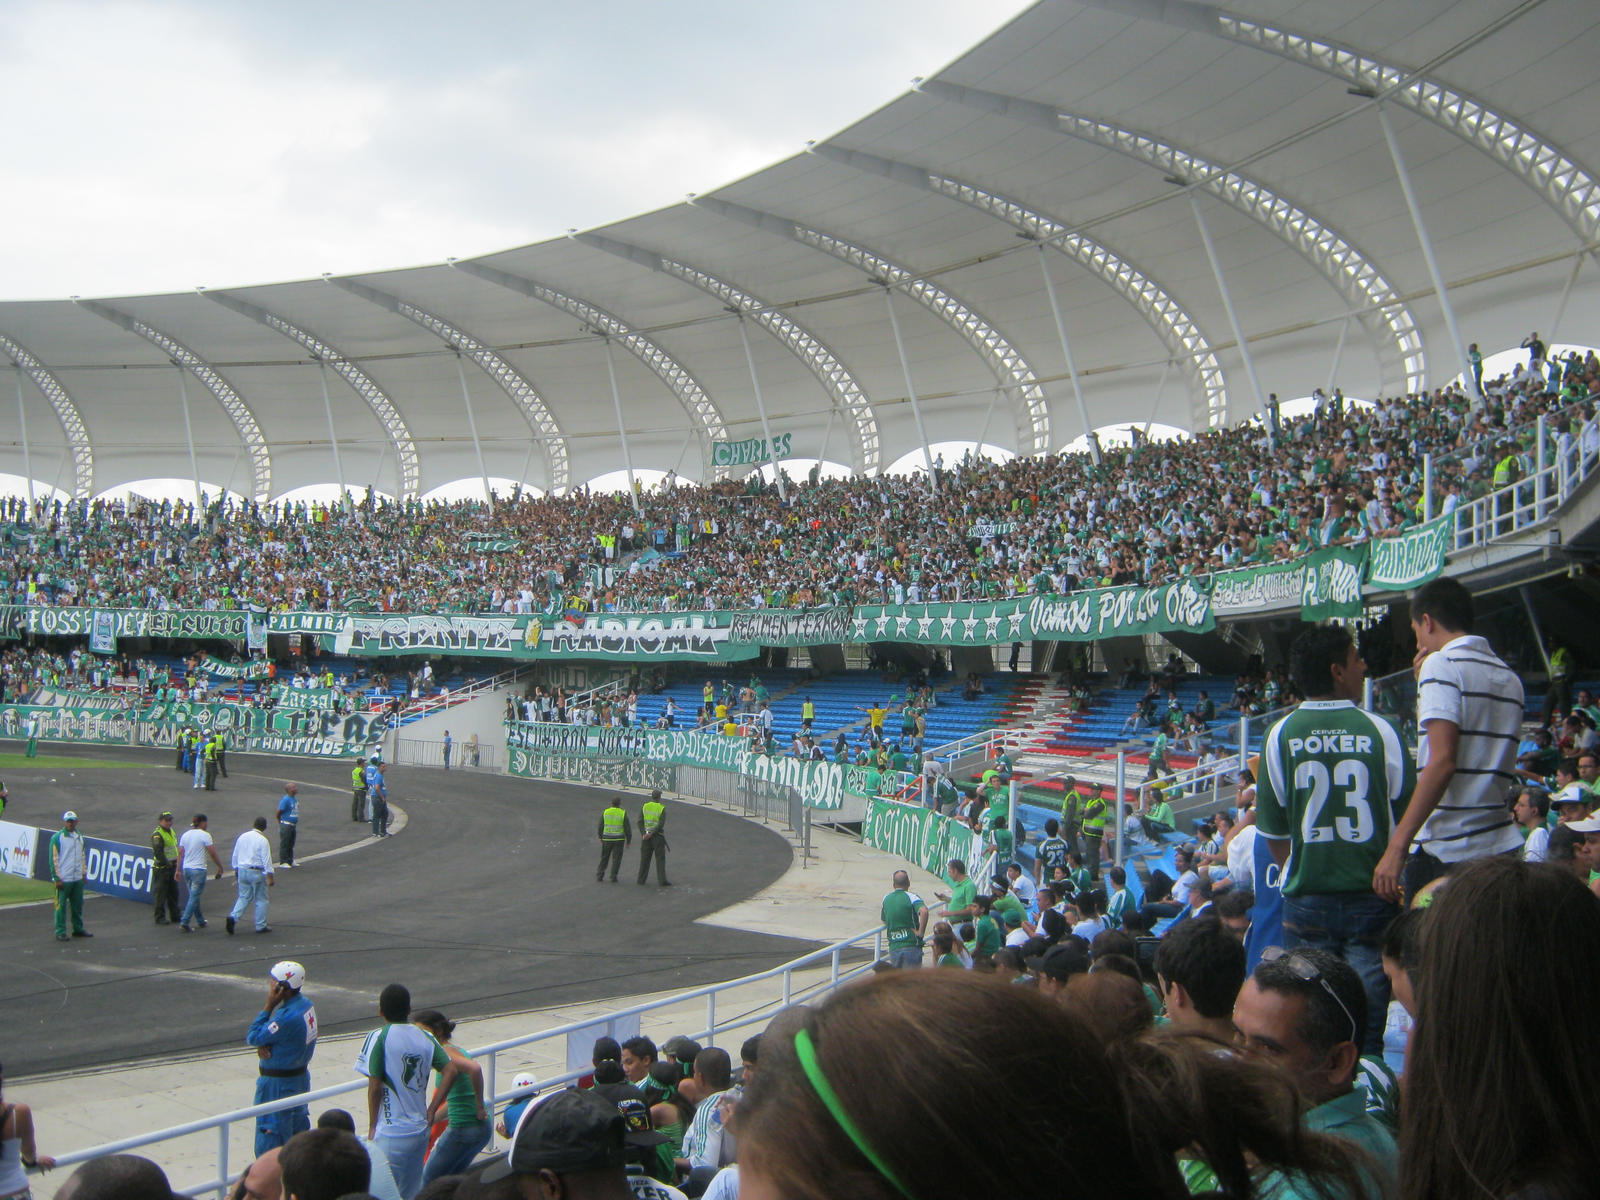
{"x": 472, "y": 425}
{"x": 1066, "y": 352}
{"x": 1233, "y": 318}
{"x": 911, "y": 389}
{"x": 327, "y": 407}
{"x": 761, "y": 407}
{"x": 988, "y": 415}
{"x": 1434, "y": 274}
{"x": 1161, "y": 390}
{"x": 1566, "y": 294}
{"x": 27, "y": 459}
{"x": 622, "y": 428}
{"x": 188, "y": 433}
{"x": 827, "y": 432}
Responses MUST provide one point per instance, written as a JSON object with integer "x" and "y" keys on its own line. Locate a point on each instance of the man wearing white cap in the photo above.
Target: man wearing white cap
{"x": 284, "y": 1034}
{"x": 523, "y": 1088}
{"x": 68, "y": 863}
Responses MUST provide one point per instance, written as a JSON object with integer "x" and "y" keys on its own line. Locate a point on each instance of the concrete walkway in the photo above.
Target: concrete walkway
{"x": 833, "y": 896}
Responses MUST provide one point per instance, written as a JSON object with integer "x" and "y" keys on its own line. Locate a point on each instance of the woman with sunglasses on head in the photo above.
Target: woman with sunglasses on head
{"x": 18, "y": 1154}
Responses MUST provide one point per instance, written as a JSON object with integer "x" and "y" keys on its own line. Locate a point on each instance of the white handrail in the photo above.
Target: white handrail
{"x": 786, "y": 995}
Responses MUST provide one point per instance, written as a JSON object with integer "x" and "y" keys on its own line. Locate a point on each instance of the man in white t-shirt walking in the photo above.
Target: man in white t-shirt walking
{"x": 193, "y": 848}
{"x": 252, "y": 865}
{"x": 1469, "y": 709}
{"x": 396, "y": 1061}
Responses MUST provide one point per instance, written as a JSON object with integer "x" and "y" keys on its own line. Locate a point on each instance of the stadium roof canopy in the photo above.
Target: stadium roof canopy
{"x": 1070, "y": 151}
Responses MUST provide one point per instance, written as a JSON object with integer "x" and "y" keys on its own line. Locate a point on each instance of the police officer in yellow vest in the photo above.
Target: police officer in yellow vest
{"x": 164, "y": 871}
{"x": 1096, "y": 810}
{"x": 208, "y": 747}
{"x": 358, "y": 791}
{"x": 616, "y": 831}
{"x": 653, "y": 840}
{"x": 222, "y": 753}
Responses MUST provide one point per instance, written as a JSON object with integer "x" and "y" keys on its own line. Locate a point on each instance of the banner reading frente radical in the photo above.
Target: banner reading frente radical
{"x": 921, "y": 836}
{"x": 1413, "y": 557}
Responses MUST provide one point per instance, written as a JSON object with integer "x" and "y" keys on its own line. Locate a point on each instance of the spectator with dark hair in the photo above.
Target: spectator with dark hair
{"x": 826, "y": 1120}
{"x": 323, "y": 1164}
{"x": 380, "y": 1180}
{"x": 1304, "y": 1011}
{"x": 116, "y": 1177}
{"x": 468, "y": 1129}
{"x": 1334, "y": 781}
{"x": 262, "y": 1179}
{"x": 1057, "y": 965}
{"x": 1469, "y": 712}
{"x": 570, "y": 1146}
{"x": 1109, "y": 999}
{"x": 638, "y": 1054}
{"x": 1532, "y": 814}
{"x": 707, "y": 1143}
{"x": 1499, "y": 1104}
{"x": 1233, "y": 910}
{"x": 395, "y": 1060}
{"x": 1200, "y": 968}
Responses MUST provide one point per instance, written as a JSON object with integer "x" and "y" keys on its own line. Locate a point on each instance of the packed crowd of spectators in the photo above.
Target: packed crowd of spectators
{"x": 1224, "y": 498}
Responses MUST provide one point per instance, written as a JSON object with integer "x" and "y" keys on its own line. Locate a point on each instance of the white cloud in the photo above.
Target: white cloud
{"x": 171, "y": 145}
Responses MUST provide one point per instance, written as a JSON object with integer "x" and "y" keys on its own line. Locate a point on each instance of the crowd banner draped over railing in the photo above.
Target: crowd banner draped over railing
{"x": 921, "y": 835}
{"x": 532, "y": 747}
{"x": 1325, "y": 583}
{"x": 218, "y": 669}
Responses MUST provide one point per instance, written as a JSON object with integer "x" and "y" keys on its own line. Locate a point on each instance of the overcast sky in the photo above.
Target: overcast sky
{"x": 156, "y": 147}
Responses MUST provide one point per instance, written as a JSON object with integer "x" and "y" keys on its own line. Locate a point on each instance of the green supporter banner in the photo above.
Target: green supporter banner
{"x": 921, "y": 836}
{"x": 1414, "y": 557}
{"x": 1184, "y": 606}
{"x": 565, "y": 768}
{"x": 286, "y": 697}
{"x": 219, "y": 669}
{"x": 1332, "y": 583}
{"x": 989, "y": 529}
{"x": 488, "y": 543}
{"x": 751, "y": 451}
{"x": 52, "y": 621}
{"x": 62, "y": 723}
{"x": 1247, "y": 590}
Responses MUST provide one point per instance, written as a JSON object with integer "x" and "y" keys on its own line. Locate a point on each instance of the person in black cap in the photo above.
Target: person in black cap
{"x": 1058, "y": 964}
{"x": 574, "y": 1146}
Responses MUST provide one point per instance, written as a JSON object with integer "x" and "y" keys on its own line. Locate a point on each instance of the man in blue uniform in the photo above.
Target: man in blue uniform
{"x": 377, "y": 798}
{"x": 284, "y": 1034}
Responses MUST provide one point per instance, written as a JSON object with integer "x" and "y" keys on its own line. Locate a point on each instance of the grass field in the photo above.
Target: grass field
{"x": 20, "y": 891}
{"x": 62, "y": 762}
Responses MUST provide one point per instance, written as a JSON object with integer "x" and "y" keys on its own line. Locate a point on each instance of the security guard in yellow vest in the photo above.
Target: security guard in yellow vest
{"x": 616, "y": 831}
{"x": 358, "y": 791}
{"x": 222, "y": 753}
{"x": 208, "y": 747}
{"x": 653, "y": 840}
{"x": 1096, "y": 812}
{"x": 164, "y": 871}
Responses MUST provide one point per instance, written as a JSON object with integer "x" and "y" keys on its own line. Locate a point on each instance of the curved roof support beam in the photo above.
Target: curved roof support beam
{"x": 1178, "y": 331}
{"x": 1005, "y": 360}
{"x": 846, "y": 394}
{"x": 232, "y": 403}
{"x": 701, "y": 408}
{"x": 522, "y": 393}
{"x": 1373, "y": 298}
{"x": 66, "y": 412}
{"x": 1565, "y": 184}
{"x": 360, "y": 382}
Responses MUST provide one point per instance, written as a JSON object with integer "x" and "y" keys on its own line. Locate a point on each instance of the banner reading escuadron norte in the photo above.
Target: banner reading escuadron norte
{"x": 920, "y": 835}
{"x": 750, "y": 451}
{"x": 1414, "y": 557}
{"x": 1332, "y": 583}
{"x": 61, "y": 723}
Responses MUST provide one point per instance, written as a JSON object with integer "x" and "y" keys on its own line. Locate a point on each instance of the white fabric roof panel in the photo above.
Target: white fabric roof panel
{"x": 1185, "y": 74}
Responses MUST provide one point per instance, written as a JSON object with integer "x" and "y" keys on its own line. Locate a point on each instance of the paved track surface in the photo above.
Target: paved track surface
{"x": 484, "y": 904}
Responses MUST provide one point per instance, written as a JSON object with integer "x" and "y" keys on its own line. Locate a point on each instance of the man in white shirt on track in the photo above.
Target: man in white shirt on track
{"x": 252, "y": 864}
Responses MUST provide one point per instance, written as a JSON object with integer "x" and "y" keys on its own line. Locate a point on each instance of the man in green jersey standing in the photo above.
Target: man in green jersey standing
{"x": 906, "y": 921}
{"x": 1334, "y": 781}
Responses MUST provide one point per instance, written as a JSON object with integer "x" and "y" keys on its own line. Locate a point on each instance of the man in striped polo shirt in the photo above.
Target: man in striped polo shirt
{"x": 1469, "y": 711}
{"x": 1334, "y": 780}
